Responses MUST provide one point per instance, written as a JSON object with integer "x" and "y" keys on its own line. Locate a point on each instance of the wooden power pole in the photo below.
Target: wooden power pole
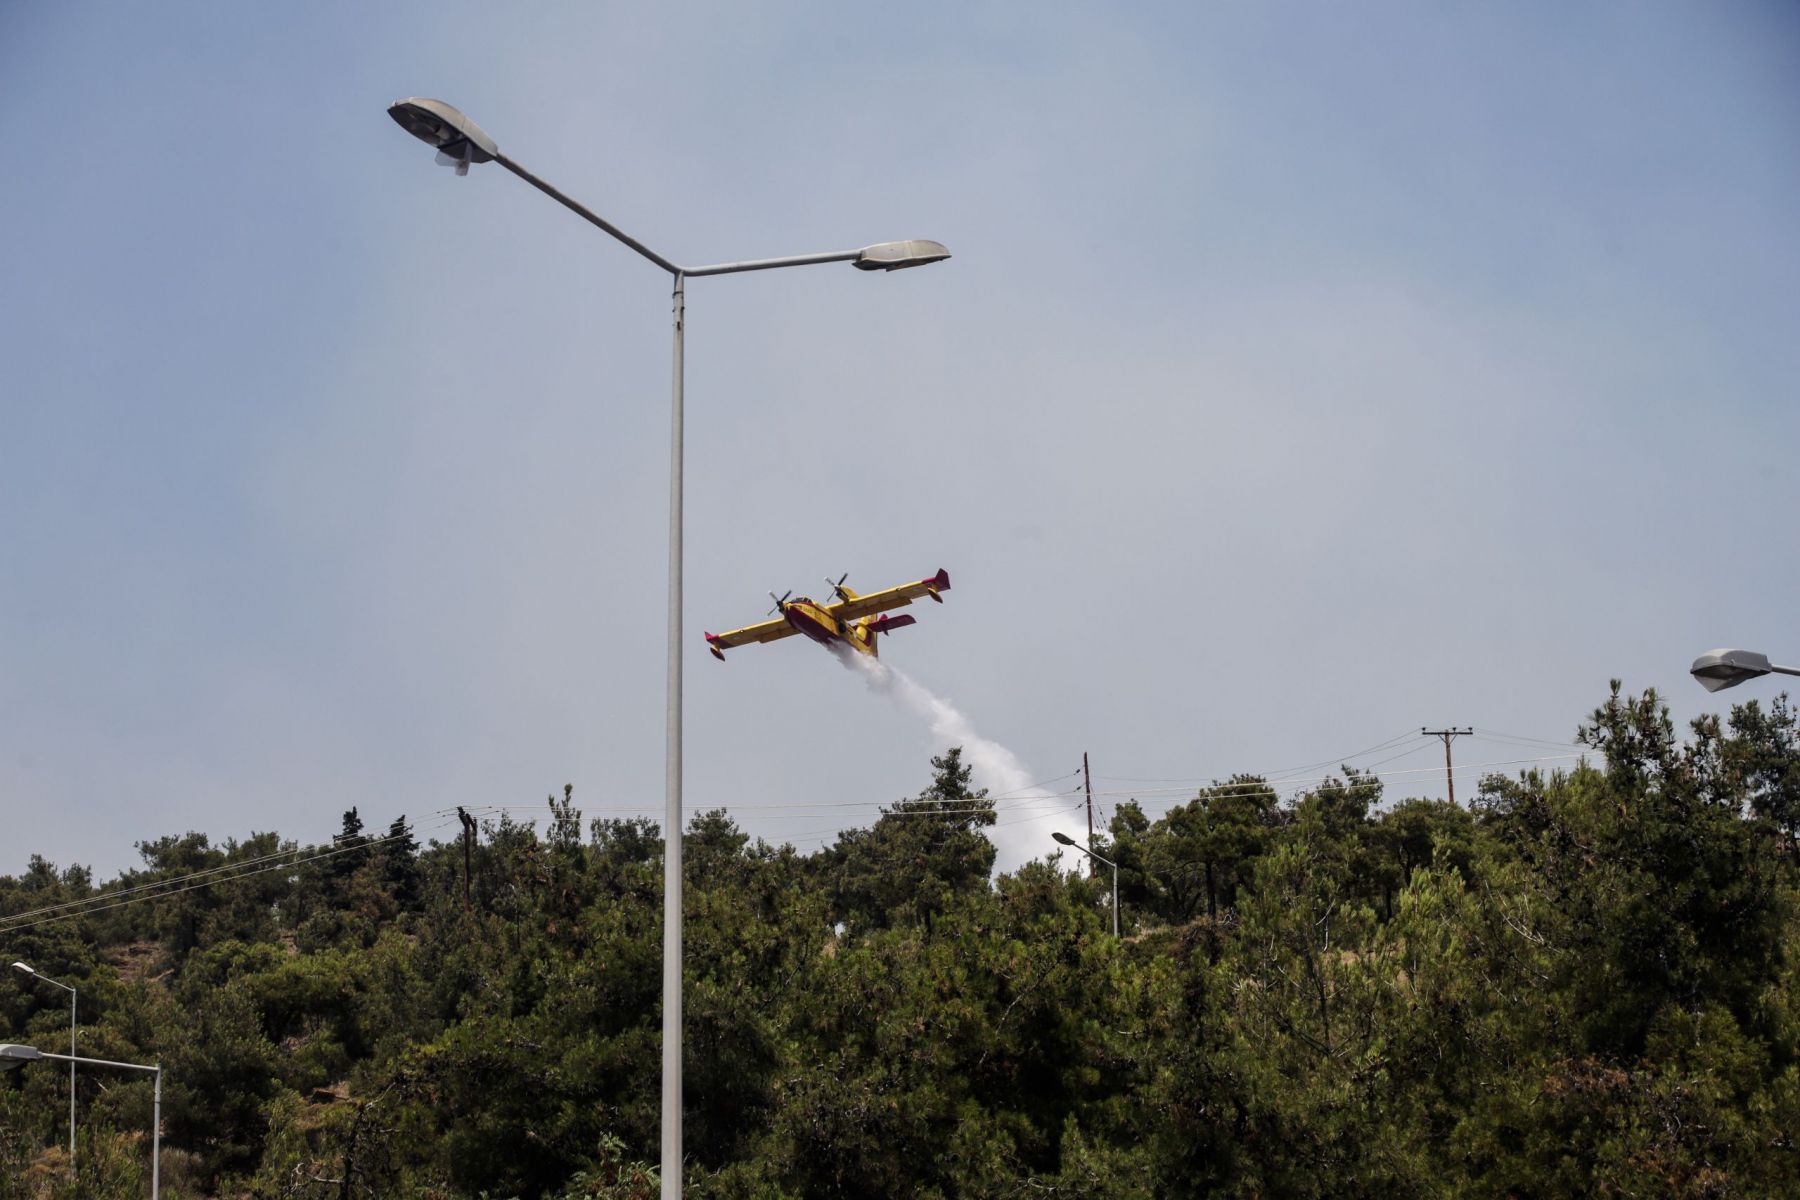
{"x": 468, "y": 824}
{"x": 1447, "y": 735}
{"x": 1088, "y": 782}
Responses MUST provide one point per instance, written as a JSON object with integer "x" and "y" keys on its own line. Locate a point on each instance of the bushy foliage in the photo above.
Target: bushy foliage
{"x": 1586, "y": 983}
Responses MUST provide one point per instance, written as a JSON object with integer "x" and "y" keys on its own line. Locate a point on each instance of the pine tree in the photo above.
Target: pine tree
{"x": 918, "y": 855}
{"x": 399, "y": 863}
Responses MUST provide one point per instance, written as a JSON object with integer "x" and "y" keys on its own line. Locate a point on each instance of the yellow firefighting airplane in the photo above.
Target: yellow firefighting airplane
{"x": 856, "y": 620}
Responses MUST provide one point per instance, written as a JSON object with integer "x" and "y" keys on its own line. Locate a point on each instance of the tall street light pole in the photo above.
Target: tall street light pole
{"x": 19, "y": 966}
{"x": 1066, "y": 840}
{"x": 460, "y": 142}
{"x": 1719, "y": 669}
{"x": 13, "y": 1057}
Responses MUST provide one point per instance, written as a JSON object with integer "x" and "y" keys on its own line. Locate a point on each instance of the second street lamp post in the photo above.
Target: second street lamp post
{"x": 460, "y": 142}
{"x": 72, "y": 998}
{"x": 1719, "y": 669}
{"x": 1066, "y": 840}
{"x": 13, "y": 1057}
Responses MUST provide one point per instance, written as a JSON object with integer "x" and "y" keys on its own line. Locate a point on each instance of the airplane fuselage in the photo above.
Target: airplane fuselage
{"x": 808, "y": 618}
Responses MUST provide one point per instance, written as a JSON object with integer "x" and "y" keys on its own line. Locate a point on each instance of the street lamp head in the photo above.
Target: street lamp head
{"x": 1064, "y": 838}
{"x": 897, "y": 256}
{"x": 1719, "y": 669}
{"x": 13, "y": 1057}
{"x": 458, "y": 140}
{"x": 22, "y": 967}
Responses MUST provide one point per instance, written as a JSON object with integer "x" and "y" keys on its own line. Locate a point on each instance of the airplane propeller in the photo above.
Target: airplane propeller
{"x": 837, "y": 589}
{"x": 779, "y": 601}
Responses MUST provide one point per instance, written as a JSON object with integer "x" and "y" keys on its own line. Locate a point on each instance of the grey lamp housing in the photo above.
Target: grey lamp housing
{"x": 458, "y": 140}
{"x": 897, "y": 256}
{"x": 1719, "y": 669}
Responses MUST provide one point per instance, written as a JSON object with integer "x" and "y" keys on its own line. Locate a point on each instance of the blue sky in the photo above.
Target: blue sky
{"x": 1305, "y": 374}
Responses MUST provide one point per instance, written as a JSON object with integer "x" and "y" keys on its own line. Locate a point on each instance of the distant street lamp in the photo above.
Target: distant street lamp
{"x": 13, "y": 1057}
{"x": 459, "y": 143}
{"x": 19, "y": 966}
{"x": 1066, "y": 840}
{"x": 1719, "y": 669}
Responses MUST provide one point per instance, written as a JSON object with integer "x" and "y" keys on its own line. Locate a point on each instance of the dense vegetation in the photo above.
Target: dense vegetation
{"x": 1584, "y": 984}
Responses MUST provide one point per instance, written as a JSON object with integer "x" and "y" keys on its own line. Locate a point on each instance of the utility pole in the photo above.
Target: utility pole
{"x": 1447, "y": 735}
{"x": 468, "y": 824}
{"x": 1088, "y": 781}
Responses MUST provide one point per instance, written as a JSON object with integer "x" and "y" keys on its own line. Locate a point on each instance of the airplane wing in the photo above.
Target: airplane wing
{"x": 894, "y": 597}
{"x": 768, "y": 631}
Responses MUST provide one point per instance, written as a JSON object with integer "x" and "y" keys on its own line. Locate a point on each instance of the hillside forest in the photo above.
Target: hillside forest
{"x": 1577, "y": 983}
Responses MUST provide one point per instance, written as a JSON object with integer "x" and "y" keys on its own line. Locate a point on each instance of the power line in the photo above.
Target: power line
{"x": 1043, "y": 807}
{"x": 1277, "y": 772}
{"x": 232, "y": 867}
{"x": 93, "y": 904}
{"x": 912, "y": 805}
{"x": 1407, "y": 753}
{"x": 1187, "y": 791}
{"x": 1017, "y": 809}
{"x": 1298, "y": 783}
{"x": 1525, "y": 737}
{"x": 1345, "y": 759}
{"x": 1489, "y": 735}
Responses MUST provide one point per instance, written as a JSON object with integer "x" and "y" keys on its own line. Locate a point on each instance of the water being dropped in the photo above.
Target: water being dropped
{"x": 1027, "y": 814}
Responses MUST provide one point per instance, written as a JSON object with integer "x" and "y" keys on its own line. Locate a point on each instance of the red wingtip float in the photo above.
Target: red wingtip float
{"x": 850, "y": 618}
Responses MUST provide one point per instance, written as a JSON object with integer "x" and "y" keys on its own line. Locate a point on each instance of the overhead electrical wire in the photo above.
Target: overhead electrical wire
{"x": 229, "y": 867}
{"x": 916, "y": 807}
{"x": 1033, "y": 787}
{"x": 1283, "y": 774}
{"x": 1529, "y": 743}
{"x": 1256, "y": 782}
{"x": 1345, "y": 759}
{"x": 1336, "y": 759}
{"x": 1523, "y": 737}
{"x": 824, "y": 834}
{"x": 102, "y": 901}
{"x": 1407, "y": 753}
{"x": 1043, "y": 806}
{"x": 288, "y": 859}
{"x": 913, "y": 804}
{"x": 1020, "y": 807}
{"x": 1279, "y": 773}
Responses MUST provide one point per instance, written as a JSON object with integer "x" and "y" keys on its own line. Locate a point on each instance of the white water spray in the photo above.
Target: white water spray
{"x": 1026, "y": 814}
